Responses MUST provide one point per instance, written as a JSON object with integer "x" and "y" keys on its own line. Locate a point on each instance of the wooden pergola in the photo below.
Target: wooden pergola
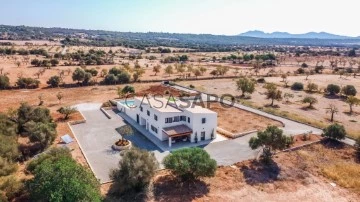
{"x": 177, "y": 131}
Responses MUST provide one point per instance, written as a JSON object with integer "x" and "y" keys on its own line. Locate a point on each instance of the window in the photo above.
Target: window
{"x": 154, "y": 129}
{"x": 188, "y": 119}
{"x": 148, "y": 112}
{"x": 203, "y": 120}
{"x": 176, "y": 118}
{"x": 168, "y": 120}
{"x": 182, "y": 118}
{"x": 155, "y": 117}
{"x": 141, "y": 108}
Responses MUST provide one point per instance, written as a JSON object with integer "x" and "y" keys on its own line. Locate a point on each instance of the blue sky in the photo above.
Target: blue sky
{"x": 227, "y": 17}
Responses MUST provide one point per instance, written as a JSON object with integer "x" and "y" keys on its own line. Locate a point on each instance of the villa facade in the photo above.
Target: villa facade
{"x": 171, "y": 120}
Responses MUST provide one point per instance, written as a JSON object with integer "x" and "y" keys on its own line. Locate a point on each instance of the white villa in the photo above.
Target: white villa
{"x": 171, "y": 120}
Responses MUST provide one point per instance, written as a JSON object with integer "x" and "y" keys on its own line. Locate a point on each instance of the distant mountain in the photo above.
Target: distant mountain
{"x": 309, "y": 35}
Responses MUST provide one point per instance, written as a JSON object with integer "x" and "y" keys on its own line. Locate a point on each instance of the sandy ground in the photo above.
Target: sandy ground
{"x": 236, "y": 120}
{"x": 258, "y": 98}
{"x": 293, "y": 177}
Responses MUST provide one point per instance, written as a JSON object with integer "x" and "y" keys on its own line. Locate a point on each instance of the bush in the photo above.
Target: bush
{"x": 303, "y": 65}
{"x": 297, "y": 86}
{"x": 349, "y": 90}
{"x": 300, "y": 71}
{"x": 319, "y": 69}
{"x": 6, "y": 167}
{"x": 52, "y": 155}
{"x": 9, "y": 147}
{"x": 335, "y": 131}
{"x": 310, "y": 100}
{"x": 110, "y": 79}
{"x": 333, "y": 89}
{"x": 124, "y": 77}
{"x": 27, "y": 83}
{"x": 128, "y": 89}
{"x": 12, "y": 188}
{"x": 54, "y": 81}
{"x": 192, "y": 86}
{"x": 312, "y": 87}
{"x": 190, "y": 163}
{"x": 4, "y": 81}
{"x": 136, "y": 169}
{"x": 63, "y": 180}
{"x": 261, "y": 80}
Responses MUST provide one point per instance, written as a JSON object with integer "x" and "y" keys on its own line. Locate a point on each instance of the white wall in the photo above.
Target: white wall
{"x": 195, "y": 120}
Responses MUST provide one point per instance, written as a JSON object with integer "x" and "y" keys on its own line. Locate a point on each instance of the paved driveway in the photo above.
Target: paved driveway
{"x": 231, "y": 151}
{"x": 96, "y": 136}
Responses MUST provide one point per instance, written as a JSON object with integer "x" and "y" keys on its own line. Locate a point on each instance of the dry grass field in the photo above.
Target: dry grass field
{"x": 295, "y": 108}
{"x": 236, "y": 120}
{"x": 302, "y": 175}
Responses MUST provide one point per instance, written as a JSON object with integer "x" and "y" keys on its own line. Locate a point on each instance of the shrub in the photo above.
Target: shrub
{"x": 190, "y": 163}
{"x": 333, "y": 89}
{"x": 110, "y": 79}
{"x": 136, "y": 168}
{"x": 335, "y": 131}
{"x": 310, "y": 100}
{"x": 52, "y": 155}
{"x": 6, "y": 167}
{"x": 303, "y": 65}
{"x": 54, "y": 81}
{"x": 312, "y": 87}
{"x": 300, "y": 71}
{"x": 349, "y": 90}
{"x": 66, "y": 111}
{"x": 297, "y": 86}
{"x": 78, "y": 75}
{"x": 124, "y": 77}
{"x": 270, "y": 140}
{"x": 9, "y": 147}
{"x": 12, "y": 188}
{"x": 27, "y": 83}
{"x": 4, "y": 81}
{"x": 261, "y": 80}
{"x": 128, "y": 89}
{"x": 319, "y": 69}
{"x": 192, "y": 86}
{"x": 63, "y": 180}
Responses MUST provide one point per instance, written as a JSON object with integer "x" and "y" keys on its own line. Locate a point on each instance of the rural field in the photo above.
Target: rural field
{"x": 42, "y": 82}
{"x": 294, "y": 108}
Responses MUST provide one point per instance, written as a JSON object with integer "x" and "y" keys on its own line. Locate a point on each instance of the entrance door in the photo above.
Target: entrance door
{"x": 137, "y": 118}
{"x": 203, "y": 135}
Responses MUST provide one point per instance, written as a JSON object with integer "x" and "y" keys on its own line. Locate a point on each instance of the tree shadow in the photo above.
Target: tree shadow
{"x": 332, "y": 144}
{"x": 308, "y": 108}
{"x": 259, "y": 173}
{"x": 169, "y": 188}
{"x": 116, "y": 194}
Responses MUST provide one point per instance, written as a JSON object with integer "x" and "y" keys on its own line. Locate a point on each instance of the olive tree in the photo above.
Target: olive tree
{"x": 135, "y": 171}
{"x": 246, "y": 85}
{"x": 273, "y": 93}
{"x": 63, "y": 180}
{"x": 352, "y": 101}
{"x": 310, "y": 100}
{"x": 190, "y": 163}
{"x": 335, "y": 131}
{"x": 270, "y": 140}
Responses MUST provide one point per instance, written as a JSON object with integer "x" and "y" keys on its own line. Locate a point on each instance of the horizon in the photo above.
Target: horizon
{"x": 255, "y": 30}
{"x": 213, "y": 17}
